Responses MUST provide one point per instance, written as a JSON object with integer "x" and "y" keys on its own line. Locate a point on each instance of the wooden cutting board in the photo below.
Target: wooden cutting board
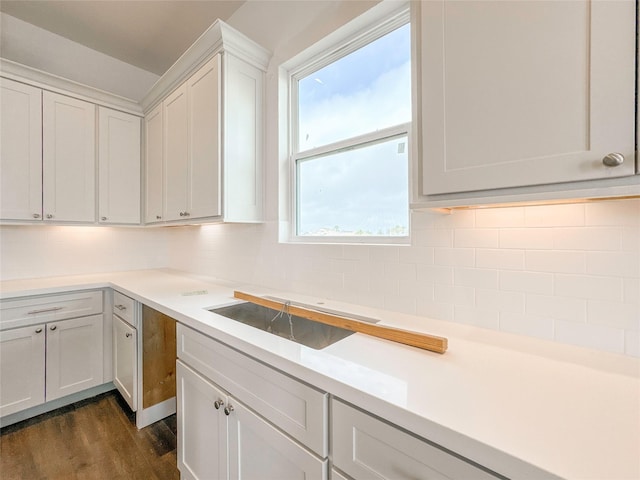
{"x": 415, "y": 339}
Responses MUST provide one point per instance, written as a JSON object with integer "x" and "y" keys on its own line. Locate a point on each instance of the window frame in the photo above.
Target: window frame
{"x": 371, "y": 32}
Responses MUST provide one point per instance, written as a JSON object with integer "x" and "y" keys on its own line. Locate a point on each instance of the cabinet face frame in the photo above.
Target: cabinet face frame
{"x": 609, "y": 117}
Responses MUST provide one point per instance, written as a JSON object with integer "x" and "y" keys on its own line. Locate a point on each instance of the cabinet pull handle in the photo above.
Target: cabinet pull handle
{"x": 613, "y": 160}
{"x": 38, "y": 330}
{"x": 53, "y": 328}
{"x": 49, "y": 216}
{"x": 127, "y": 335}
{"x": 43, "y": 310}
{"x": 228, "y": 410}
{"x": 120, "y": 307}
{"x": 218, "y": 404}
{"x": 36, "y": 215}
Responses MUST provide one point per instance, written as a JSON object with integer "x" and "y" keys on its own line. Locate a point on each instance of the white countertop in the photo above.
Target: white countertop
{"x": 523, "y": 407}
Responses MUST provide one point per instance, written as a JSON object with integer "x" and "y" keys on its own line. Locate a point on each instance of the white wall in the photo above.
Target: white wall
{"x": 43, "y": 251}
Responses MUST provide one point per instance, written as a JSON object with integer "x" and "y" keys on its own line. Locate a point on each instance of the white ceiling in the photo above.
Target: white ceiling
{"x": 150, "y": 34}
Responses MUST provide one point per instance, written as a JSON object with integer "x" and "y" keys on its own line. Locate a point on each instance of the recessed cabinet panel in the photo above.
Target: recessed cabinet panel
{"x": 176, "y": 154}
{"x": 525, "y": 93}
{"x": 203, "y": 91}
{"x": 69, "y": 159}
{"x": 119, "y": 167}
{"x": 20, "y": 151}
{"x": 202, "y": 429}
{"x": 74, "y": 355}
{"x": 154, "y": 166}
{"x": 22, "y": 368}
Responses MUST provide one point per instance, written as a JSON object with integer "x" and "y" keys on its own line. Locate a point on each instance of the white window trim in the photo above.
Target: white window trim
{"x": 377, "y": 22}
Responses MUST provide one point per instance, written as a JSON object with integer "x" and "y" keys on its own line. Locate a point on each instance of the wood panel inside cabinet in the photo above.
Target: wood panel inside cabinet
{"x": 159, "y": 357}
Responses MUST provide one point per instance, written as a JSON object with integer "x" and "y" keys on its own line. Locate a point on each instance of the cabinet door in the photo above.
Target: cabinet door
{"x": 365, "y": 447}
{"x": 74, "y": 355}
{"x": 125, "y": 375}
{"x": 154, "y": 166}
{"x": 524, "y": 93}
{"x": 176, "y": 154}
{"x": 119, "y": 167}
{"x": 259, "y": 451}
{"x": 22, "y": 361}
{"x": 69, "y": 159}
{"x": 203, "y": 91}
{"x": 20, "y": 151}
{"x": 202, "y": 429}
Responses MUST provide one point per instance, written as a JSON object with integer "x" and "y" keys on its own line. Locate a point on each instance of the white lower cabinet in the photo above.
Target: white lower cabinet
{"x": 365, "y": 447}
{"x": 22, "y": 352}
{"x": 232, "y": 417}
{"x": 58, "y": 352}
{"x": 125, "y": 376}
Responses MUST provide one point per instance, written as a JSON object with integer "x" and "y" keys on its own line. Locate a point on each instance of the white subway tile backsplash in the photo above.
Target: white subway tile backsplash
{"x": 555, "y": 261}
{"x": 527, "y": 238}
{"x": 475, "y": 277}
{"x": 589, "y": 287}
{"x": 455, "y": 257}
{"x": 502, "y": 301}
{"x": 476, "y": 316}
{"x": 562, "y": 308}
{"x": 478, "y": 237}
{"x": 587, "y": 238}
{"x": 569, "y": 273}
{"x": 619, "y": 264}
{"x": 527, "y": 282}
{"x": 526, "y": 324}
{"x": 614, "y": 314}
{"x": 500, "y": 217}
{"x": 455, "y": 295}
{"x": 500, "y": 259}
{"x": 555, "y": 215}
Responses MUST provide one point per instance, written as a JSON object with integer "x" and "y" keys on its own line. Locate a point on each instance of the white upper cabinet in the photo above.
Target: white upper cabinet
{"x": 119, "y": 167}
{"x": 69, "y": 159}
{"x": 212, "y": 132}
{"x": 517, "y": 94}
{"x": 20, "y": 151}
{"x": 154, "y": 169}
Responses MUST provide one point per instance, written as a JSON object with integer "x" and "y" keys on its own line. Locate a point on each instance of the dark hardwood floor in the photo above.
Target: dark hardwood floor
{"x": 92, "y": 439}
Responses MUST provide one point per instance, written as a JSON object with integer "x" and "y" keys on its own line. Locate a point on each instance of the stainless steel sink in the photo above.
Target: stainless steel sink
{"x": 306, "y": 332}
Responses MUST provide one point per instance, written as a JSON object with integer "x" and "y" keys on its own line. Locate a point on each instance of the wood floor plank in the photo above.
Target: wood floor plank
{"x": 95, "y": 439}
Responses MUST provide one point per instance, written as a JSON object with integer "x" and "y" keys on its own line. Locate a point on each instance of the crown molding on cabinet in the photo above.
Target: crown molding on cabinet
{"x": 218, "y": 37}
{"x": 47, "y": 81}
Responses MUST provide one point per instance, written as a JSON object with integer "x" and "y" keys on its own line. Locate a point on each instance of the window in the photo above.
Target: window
{"x": 351, "y": 114}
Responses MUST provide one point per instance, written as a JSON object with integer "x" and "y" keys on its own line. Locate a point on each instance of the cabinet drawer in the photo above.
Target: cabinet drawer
{"x": 299, "y": 410}
{"x": 365, "y": 447}
{"x": 18, "y": 313}
{"x": 123, "y": 306}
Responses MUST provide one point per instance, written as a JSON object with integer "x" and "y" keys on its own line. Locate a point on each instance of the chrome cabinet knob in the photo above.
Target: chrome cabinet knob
{"x": 38, "y": 330}
{"x": 49, "y": 215}
{"x": 613, "y": 160}
{"x": 103, "y": 218}
{"x": 158, "y": 217}
{"x": 228, "y": 409}
{"x": 53, "y": 327}
{"x": 127, "y": 335}
{"x": 36, "y": 215}
{"x": 218, "y": 404}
